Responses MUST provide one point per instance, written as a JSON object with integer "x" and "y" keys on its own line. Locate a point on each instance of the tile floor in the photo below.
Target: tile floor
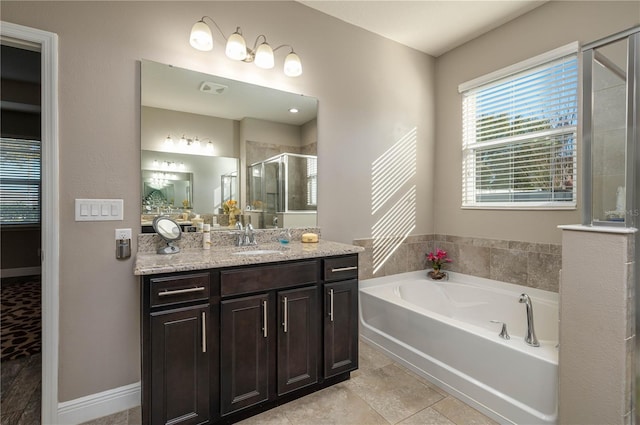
{"x": 20, "y": 390}
{"x": 380, "y": 392}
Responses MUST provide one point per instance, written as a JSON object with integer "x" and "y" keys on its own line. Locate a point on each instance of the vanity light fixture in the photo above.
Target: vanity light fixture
{"x": 236, "y": 48}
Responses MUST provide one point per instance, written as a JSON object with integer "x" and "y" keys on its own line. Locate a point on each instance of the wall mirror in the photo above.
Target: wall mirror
{"x": 209, "y": 143}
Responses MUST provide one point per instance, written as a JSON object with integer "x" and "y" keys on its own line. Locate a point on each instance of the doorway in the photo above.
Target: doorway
{"x": 47, "y": 44}
{"x": 21, "y": 295}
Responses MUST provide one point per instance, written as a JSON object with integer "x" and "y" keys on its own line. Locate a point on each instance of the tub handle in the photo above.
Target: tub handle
{"x": 503, "y": 332}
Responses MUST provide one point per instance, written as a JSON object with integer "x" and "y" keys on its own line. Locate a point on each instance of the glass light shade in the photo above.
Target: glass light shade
{"x": 196, "y": 143}
{"x": 201, "y": 38}
{"x": 236, "y": 47}
{"x": 168, "y": 141}
{"x": 183, "y": 141}
{"x": 210, "y": 147}
{"x": 264, "y": 56}
{"x": 292, "y": 65}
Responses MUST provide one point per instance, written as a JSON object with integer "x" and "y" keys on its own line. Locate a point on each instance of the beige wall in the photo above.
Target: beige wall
{"x": 552, "y": 25}
{"x": 366, "y": 102}
{"x": 157, "y": 123}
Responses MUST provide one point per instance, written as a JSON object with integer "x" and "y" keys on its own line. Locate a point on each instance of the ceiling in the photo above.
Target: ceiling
{"x": 168, "y": 87}
{"x": 431, "y": 26}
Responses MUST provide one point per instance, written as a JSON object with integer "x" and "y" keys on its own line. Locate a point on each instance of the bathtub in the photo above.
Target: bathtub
{"x": 442, "y": 331}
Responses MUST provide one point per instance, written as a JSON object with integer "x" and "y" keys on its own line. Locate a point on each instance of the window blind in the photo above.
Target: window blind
{"x": 312, "y": 181}
{"x": 19, "y": 181}
{"x": 519, "y": 138}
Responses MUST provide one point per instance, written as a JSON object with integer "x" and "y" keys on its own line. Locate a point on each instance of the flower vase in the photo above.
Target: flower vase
{"x": 437, "y": 275}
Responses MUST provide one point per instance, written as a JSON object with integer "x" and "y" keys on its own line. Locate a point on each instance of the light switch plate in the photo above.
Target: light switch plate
{"x": 99, "y": 209}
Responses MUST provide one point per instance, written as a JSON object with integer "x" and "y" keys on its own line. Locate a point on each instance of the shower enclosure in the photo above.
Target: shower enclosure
{"x": 611, "y": 141}
{"x": 283, "y": 191}
{"x": 611, "y": 98}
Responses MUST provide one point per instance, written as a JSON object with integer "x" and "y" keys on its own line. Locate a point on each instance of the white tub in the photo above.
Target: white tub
{"x": 442, "y": 331}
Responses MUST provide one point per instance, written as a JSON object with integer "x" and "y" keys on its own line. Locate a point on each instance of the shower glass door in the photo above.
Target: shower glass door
{"x": 610, "y": 130}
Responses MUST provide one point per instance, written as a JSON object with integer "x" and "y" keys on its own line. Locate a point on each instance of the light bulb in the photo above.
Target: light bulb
{"x": 264, "y": 56}
{"x": 236, "y": 46}
{"x": 292, "y": 65}
{"x": 201, "y": 38}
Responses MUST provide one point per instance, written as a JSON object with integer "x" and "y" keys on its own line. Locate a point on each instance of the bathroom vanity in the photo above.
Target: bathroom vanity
{"x": 229, "y": 333}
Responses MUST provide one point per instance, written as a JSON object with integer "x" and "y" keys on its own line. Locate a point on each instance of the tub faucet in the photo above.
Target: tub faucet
{"x": 504, "y": 334}
{"x": 530, "y": 337}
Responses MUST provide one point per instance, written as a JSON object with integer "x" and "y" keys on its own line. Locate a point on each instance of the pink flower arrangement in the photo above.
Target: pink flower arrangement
{"x": 438, "y": 259}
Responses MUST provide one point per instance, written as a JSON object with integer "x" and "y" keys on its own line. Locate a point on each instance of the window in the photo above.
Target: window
{"x": 19, "y": 181}
{"x": 312, "y": 181}
{"x": 519, "y": 135}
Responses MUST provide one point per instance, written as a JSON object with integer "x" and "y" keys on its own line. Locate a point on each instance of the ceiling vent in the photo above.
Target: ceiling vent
{"x": 212, "y": 88}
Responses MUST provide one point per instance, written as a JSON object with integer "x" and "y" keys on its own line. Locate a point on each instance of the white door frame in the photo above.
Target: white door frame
{"x": 49, "y": 209}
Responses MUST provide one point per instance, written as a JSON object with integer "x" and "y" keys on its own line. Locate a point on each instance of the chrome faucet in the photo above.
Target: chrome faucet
{"x": 530, "y": 337}
{"x": 249, "y": 236}
{"x": 240, "y": 234}
{"x": 246, "y": 237}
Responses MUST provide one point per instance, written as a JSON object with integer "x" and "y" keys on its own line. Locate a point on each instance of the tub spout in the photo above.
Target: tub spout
{"x": 530, "y": 337}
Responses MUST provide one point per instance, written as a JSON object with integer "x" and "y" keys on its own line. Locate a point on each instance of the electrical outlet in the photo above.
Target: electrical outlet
{"x": 123, "y": 234}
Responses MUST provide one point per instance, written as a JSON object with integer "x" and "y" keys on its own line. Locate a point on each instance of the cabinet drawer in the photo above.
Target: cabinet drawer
{"x": 177, "y": 289}
{"x": 265, "y": 278}
{"x": 340, "y": 268}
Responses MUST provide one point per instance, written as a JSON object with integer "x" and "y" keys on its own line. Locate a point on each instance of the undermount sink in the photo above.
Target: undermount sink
{"x": 257, "y": 252}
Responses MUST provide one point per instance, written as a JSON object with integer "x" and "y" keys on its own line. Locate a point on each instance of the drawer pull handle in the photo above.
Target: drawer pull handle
{"x": 204, "y": 332}
{"x": 331, "y": 304}
{"x": 344, "y": 269}
{"x": 181, "y": 291}
{"x": 264, "y": 318}
{"x": 286, "y": 314}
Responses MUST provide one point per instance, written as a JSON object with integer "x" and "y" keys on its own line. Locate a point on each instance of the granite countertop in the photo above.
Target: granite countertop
{"x": 223, "y": 256}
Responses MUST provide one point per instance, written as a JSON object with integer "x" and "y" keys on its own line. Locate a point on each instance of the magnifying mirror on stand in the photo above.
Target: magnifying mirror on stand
{"x": 170, "y": 231}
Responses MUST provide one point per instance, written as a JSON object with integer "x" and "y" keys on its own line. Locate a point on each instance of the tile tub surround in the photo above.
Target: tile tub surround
{"x": 535, "y": 265}
{"x": 223, "y": 256}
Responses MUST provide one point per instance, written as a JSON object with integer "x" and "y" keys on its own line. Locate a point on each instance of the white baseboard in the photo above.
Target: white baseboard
{"x": 97, "y": 405}
{"x": 21, "y": 271}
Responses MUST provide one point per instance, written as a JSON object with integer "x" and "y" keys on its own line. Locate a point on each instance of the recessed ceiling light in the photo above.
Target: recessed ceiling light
{"x": 293, "y": 110}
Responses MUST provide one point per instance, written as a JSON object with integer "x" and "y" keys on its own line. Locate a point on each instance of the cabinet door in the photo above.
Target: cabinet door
{"x": 244, "y": 359}
{"x": 180, "y": 346}
{"x": 298, "y": 343}
{"x": 340, "y": 327}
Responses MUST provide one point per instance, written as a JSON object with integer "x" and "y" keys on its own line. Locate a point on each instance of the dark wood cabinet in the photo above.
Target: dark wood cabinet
{"x": 180, "y": 345}
{"x": 340, "y": 315}
{"x": 224, "y": 344}
{"x": 244, "y": 352}
{"x": 298, "y": 344}
{"x": 180, "y": 366}
{"x": 340, "y": 327}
